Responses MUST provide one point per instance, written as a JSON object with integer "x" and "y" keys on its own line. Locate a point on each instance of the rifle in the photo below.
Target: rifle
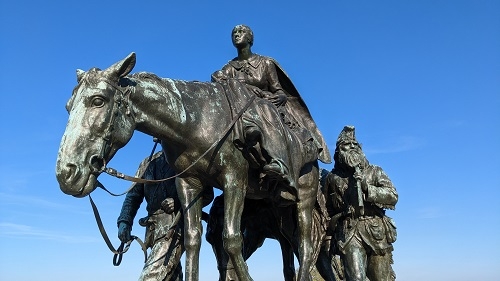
{"x": 360, "y": 192}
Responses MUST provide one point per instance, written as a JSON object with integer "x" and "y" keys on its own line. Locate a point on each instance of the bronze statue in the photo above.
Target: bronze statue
{"x": 329, "y": 264}
{"x": 258, "y": 223}
{"x": 195, "y": 121}
{"x": 358, "y": 194}
{"x": 262, "y": 219}
{"x": 163, "y": 229}
{"x": 264, "y": 77}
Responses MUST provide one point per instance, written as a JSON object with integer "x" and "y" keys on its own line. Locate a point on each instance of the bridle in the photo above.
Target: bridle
{"x": 120, "y": 99}
{"x": 97, "y": 165}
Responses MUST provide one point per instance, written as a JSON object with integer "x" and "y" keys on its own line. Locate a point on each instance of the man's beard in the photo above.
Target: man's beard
{"x": 351, "y": 158}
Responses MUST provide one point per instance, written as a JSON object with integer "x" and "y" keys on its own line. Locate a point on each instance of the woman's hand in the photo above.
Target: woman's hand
{"x": 279, "y": 98}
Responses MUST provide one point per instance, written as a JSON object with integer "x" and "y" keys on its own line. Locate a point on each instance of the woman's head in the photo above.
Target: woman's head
{"x": 242, "y": 34}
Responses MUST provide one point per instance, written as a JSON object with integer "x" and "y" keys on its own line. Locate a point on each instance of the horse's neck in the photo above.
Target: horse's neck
{"x": 158, "y": 111}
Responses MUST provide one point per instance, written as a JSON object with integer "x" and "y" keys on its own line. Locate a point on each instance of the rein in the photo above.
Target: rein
{"x": 124, "y": 246}
{"x": 117, "y": 174}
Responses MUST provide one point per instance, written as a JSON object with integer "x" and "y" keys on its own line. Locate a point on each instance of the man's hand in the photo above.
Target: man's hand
{"x": 359, "y": 176}
{"x": 124, "y": 232}
{"x": 168, "y": 205}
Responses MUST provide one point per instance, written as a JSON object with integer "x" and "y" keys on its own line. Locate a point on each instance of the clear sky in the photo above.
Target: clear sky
{"x": 420, "y": 81}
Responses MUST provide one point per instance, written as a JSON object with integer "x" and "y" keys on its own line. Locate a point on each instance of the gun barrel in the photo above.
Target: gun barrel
{"x": 360, "y": 194}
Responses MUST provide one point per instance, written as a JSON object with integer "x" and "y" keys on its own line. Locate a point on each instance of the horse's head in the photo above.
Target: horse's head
{"x": 99, "y": 124}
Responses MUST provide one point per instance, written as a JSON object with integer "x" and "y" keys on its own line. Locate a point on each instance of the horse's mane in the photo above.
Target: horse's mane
{"x": 149, "y": 76}
{"x": 173, "y": 85}
{"x": 92, "y": 76}
{"x": 162, "y": 82}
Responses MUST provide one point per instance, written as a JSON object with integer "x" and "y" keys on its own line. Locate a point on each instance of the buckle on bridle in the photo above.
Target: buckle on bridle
{"x": 114, "y": 173}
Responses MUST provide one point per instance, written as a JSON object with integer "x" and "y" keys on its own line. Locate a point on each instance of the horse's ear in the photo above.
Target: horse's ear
{"x": 79, "y": 75}
{"x": 123, "y": 67}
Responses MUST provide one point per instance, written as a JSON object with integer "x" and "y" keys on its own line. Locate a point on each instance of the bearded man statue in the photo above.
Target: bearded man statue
{"x": 358, "y": 194}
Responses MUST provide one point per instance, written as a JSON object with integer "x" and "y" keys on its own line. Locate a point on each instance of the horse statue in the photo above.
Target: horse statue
{"x": 261, "y": 220}
{"x": 193, "y": 120}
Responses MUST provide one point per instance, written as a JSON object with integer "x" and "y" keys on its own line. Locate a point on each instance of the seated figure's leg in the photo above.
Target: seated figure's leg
{"x": 274, "y": 142}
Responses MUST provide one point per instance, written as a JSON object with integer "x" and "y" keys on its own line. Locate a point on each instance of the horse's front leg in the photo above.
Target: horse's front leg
{"x": 234, "y": 199}
{"x": 190, "y": 192}
{"x": 308, "y": 188}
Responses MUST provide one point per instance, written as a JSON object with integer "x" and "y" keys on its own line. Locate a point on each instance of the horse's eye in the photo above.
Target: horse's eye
{"x": 97, "y": 102}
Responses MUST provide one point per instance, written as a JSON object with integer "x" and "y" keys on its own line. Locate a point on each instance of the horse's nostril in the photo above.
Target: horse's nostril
{"x": 69, "y": 172}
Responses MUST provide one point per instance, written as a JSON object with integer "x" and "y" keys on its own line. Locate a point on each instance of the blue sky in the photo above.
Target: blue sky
{"x": 420, "y": 81}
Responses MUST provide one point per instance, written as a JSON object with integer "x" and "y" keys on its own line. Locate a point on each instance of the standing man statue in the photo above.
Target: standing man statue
{"x": 163, "y": 224}
{"x": 280, "y": 105}
{"x": 358, "y": 194}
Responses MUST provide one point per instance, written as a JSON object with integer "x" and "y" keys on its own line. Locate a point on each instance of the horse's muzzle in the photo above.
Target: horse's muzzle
{"x": 75, "y": 181}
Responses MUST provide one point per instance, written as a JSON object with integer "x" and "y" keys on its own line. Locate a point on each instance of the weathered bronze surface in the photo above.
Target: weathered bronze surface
{"x": 266, "y": 79}
{"x": 107, "y": 106}
{"x": 252, "y": 137}
{"x": 262, "y": 220}
{"x": 358, "y": 194}
{"x": 163, "y": 232}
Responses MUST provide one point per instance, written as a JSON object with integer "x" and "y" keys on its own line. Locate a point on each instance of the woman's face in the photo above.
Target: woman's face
{"x": 241, "y": 36}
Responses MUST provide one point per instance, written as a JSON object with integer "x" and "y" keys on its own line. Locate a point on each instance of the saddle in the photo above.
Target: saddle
{"x": 247, "y": 135}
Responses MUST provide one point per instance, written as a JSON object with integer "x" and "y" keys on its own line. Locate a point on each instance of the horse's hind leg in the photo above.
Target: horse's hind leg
{"x": 234, "y": 198}
{"x": 324, "y": 266}
{"x": 190, "y": 192}
{"x": 288, "y": 261}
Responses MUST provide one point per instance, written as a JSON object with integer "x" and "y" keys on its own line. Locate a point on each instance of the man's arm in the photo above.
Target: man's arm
{"x": 131, "y": 204}
{"x": 380, "y": 189}
{"x": 130, "y": 207}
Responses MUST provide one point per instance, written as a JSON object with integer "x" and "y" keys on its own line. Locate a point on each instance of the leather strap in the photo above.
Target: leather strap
{"x": 124, "y": 246}
{"x": 115, "y": 173}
